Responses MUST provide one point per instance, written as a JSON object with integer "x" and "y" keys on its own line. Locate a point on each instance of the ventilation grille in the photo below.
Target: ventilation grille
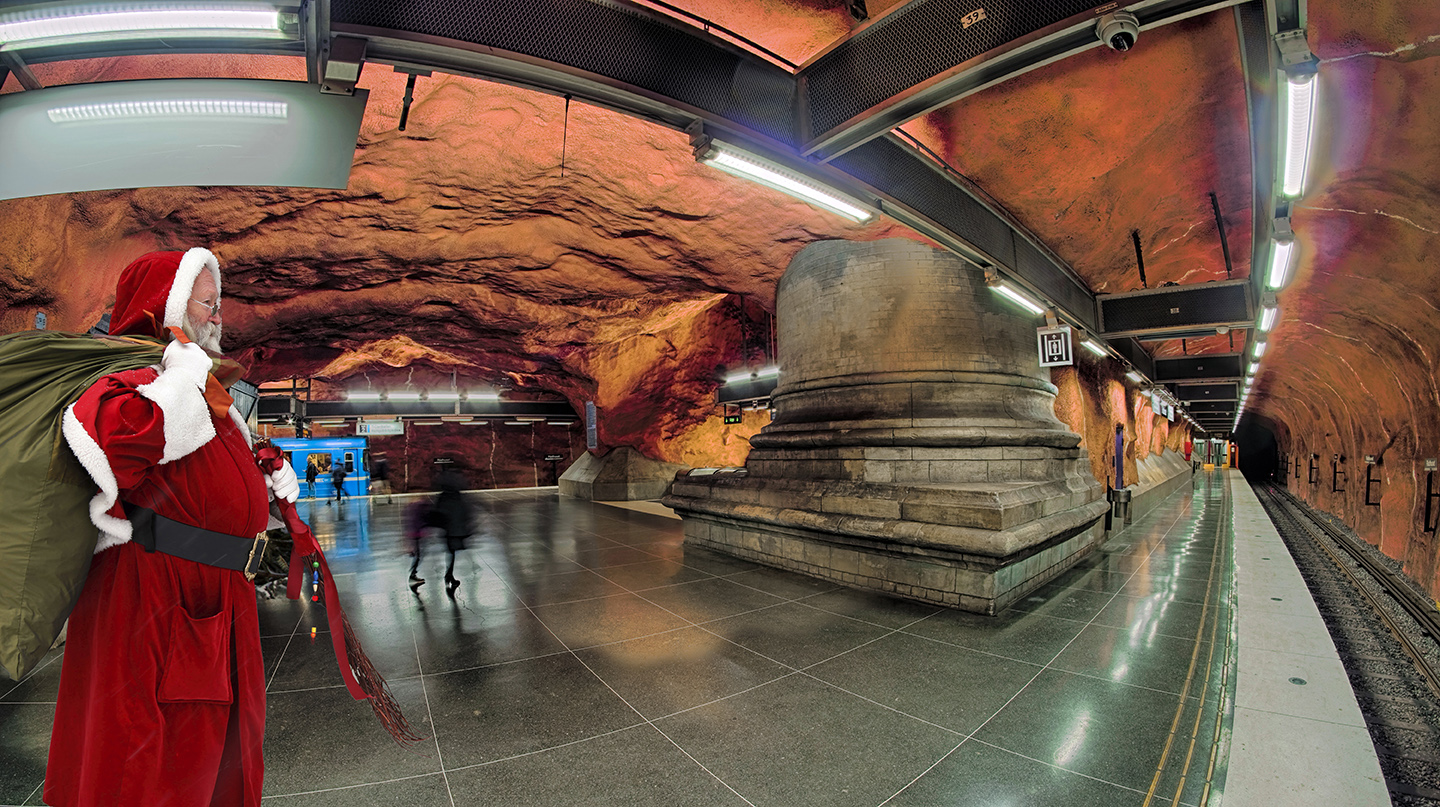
{"x": 605, "y": 40}
{"x": 915, "y": 44}
{"x": 1176, "y": 307}
{"x": 1208, "y": 392}
{"x": 1197, "y": 367}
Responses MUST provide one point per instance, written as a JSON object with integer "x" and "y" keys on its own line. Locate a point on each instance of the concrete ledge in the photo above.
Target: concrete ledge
{"x": 1289, "y": 744}
{"x": 624, "y": 474}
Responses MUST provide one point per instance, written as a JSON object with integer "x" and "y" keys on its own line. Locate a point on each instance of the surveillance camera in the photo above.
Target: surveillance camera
{"x": 1118, "y": 30}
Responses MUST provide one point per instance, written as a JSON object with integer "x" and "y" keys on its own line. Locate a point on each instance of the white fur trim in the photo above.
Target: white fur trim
{"x": 244, "y": 427}
{"x": 187, "y": 415}
{"x": 113, "y": 531}
{"x": 190, "y": 265}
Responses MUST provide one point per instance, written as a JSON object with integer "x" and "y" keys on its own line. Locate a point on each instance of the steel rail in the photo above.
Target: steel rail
{"x": 1398, "y": 589}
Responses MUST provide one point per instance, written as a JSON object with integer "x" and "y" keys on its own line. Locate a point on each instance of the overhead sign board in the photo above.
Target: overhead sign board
{"x": 592, "y": 433}
{"x": 1056, "y": 348}
{"x": 380, "y": 427}
{"x": 554, "y": 457}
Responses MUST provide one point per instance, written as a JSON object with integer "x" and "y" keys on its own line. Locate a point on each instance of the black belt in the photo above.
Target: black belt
{"x": 156, "y": 533}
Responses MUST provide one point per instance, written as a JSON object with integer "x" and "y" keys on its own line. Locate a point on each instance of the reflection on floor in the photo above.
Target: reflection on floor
{"x": 588, "y": 657}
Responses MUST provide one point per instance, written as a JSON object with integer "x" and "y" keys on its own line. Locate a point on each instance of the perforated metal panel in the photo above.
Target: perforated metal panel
{"x": 1176, "y": 307}
{"x": 606, "y": 40}
{"x": 886, "y": 59}
{"x": 1198, "y": 367}
{"x": 1208, "y": 392}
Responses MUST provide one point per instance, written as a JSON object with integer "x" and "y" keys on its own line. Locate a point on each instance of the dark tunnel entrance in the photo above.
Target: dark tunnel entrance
{"x": 1259, "y": 453}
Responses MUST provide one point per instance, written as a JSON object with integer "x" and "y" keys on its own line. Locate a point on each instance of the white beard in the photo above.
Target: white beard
{"x": 206, "y": 335}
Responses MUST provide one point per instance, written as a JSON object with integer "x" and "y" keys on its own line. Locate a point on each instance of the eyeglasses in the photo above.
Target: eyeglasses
{"x": 214, "y": 309}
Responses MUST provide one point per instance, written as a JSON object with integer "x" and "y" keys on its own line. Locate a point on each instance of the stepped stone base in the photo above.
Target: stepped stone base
{"x": 623, "y": 475}
{"x": 977, "y": 548}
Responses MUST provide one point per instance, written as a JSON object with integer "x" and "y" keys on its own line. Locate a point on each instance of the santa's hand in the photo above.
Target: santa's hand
{"x": 188, "y": 360}
{"x": 283, "y": 484}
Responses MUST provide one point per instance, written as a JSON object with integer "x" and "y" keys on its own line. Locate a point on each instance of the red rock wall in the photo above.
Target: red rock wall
{"x": 1094, "y": 396}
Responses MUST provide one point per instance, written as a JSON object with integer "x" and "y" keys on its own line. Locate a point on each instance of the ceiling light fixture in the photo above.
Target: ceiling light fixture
{"x": 110, "y": 22}
{"x": 481, "y": 395}
{"x": 404, "y": 395}
{"x": 1254, "y": 366}
{"x": 1298, "y": 99}
{"x": 746, "y": 165}
{"x": 363, "y": 395}
{"x": 1094, "y": 347}
{"x": 1268, "y": 315}
{"x": 763, "y": 372}
{"x": 1260, "y": 349}
{"x": 180, "y": 108}
{"x": 443, "y": 395}
{"x": 1135, "y": 376}
{"x": 1005, "y": 290}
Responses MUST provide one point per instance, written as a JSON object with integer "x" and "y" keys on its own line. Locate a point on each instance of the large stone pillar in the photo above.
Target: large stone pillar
{"x": 914, "y": 448}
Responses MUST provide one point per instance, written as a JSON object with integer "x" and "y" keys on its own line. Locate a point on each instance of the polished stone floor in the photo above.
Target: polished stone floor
{"x": 589, "y": 657}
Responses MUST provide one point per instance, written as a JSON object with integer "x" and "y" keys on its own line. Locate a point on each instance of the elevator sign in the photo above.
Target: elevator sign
{"x": 1055, "y": 346}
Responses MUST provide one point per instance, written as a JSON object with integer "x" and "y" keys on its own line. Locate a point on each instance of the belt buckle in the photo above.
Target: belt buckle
{"x": 257, "y": 554}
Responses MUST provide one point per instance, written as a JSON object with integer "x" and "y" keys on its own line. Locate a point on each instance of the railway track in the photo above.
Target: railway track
{"x": 1388, "y": 636}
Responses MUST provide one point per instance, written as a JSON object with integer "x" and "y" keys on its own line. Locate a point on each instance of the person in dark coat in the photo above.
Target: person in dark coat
{"x": 456, "y": 516}
{"x": 311, "y": 472}
{"x": 337, "y": 475}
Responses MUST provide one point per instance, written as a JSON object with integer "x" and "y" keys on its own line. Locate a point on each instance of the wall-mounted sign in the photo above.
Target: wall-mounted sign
{"x": 1369, "y": 459}
{"x": 380, "y": 427}
{"x": 1055, "y": 346}
{"x": 592, "y": 430}
{"x": 554, "y": 457}
{"x": 1429, "y": 465}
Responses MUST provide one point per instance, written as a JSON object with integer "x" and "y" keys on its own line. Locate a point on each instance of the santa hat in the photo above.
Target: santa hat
{"x": 155, "y": 289}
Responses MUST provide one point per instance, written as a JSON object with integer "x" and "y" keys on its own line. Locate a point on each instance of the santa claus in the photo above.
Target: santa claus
{"x": 162, "y": 691}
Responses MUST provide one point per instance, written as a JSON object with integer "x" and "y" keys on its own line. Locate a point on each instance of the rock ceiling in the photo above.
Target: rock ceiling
{"x": 631, "y": 271}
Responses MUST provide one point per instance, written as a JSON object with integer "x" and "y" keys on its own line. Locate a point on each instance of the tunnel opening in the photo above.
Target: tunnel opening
{"x": 1259, "y": 451}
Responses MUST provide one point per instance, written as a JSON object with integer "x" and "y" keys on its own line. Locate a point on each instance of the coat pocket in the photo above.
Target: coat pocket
{"x": 197, "y": 668}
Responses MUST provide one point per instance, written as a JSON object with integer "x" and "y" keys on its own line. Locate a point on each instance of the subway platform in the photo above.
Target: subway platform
{"x": 589, "y": 657}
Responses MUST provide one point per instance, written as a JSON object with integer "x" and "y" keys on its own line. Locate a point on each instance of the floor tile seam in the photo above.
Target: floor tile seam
{"x": 498, "y": 663}
{"x": 286, "y": 649}
{"x": 31, "y": 797}
{"x": 971, "y": 649}
{"x": 790, "y": 672}
{"x": 661, "y": 731}
{"x": 547, "y": 749}
{"x": 1065, "y": 769}
{"x": 701, "y": 765}
{"x": 617, "y": 694}
{"x": 25, "y": 678}
{"x": 865, "y": 621}
{"x": 923, "y": 773}
{"x": 27, "y": 703}
{"x": 1361, "y": 727}
{"x": 349, "y": 787}
{"x": 430, "y": 715}
{"x": 902, "y": 713}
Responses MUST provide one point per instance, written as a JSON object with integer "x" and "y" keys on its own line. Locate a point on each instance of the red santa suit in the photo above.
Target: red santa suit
{"x": 162, "y": 691}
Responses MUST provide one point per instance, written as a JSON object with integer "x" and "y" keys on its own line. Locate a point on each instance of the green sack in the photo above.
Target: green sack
{"x": 46, "y": 537}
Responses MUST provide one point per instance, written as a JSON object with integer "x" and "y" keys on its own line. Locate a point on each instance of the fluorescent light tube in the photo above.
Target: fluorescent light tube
{"x": 518, "y": 423}
{"x": 1134, "y": 376}
{"x": 456, "y": 418}
{"x": 363, "y": 395}
{"x": 1280, "y": 256}
{"x": 177, "y": 108}
{"x": 1094, "y": 347}
{"x": 425, "y": 423}
{"x": 1018, "y": 298}
{"x": 404, "y": 395}
{"x": 484, "y": 396}
{"x": 1298, "y": 117}
{"x": 42, "y": 28}
{"x": 763, "y": 372}
{"x": 1254, "y": 365}
{"x": 1260, "y": 349}
{"x": 528, "y": 419}
{"x": 443, "y": 395}
{"x": 756, "y": 170}
{"x": 1268, "y": 315}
